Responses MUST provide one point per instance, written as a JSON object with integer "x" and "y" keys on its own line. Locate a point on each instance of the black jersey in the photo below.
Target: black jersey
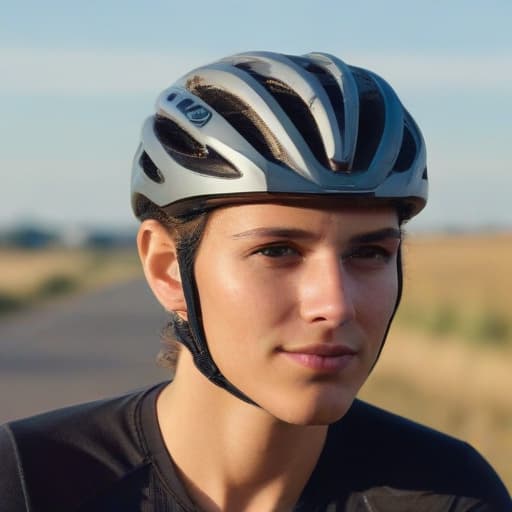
{"x": 108, "y": 456}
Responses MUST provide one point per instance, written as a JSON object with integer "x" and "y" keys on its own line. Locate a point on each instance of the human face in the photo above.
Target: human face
{"x": 296, "y": 300}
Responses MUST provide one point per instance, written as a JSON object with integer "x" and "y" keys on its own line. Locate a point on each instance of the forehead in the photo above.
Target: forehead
{"x": 312, "y": 215}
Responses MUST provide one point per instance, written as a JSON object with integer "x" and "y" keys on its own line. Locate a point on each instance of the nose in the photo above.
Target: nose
{"x": 327, "y": 294}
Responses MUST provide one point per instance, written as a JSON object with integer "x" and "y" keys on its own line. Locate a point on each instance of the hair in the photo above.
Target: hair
{"x": 187, "y": 232}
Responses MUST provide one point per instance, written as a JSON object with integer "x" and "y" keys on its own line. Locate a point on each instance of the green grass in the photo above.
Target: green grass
{"x": 483, "y": 326}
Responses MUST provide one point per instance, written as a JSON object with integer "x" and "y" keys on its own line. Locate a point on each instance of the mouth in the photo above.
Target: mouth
{"x": 321, "y": 357}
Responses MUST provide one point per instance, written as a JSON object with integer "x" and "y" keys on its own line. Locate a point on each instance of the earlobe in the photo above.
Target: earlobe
{"x": 157, "y": 252}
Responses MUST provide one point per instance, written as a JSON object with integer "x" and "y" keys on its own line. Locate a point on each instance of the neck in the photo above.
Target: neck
{"x": 231, "y": 455}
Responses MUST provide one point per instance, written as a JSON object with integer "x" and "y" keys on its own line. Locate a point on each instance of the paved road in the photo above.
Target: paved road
{"x": 83, "y": 348}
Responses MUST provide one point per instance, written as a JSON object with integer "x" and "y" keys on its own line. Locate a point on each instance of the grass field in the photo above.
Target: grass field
{"x": 30, "y": 277}
{"x": 459, "y": 285}
{"x": 448, "y": 359}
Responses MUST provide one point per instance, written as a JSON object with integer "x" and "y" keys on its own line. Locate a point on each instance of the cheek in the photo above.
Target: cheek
{"x": 237, "y": 292}
{"x": 243, "y": 316}
{"x": 376, "y": 303}
{"x": 229, "y": 303}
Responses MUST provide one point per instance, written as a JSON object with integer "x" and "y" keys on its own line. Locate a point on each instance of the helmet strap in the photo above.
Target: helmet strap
{"x": 192, "y": 334}
{"x": 400, "y": 281}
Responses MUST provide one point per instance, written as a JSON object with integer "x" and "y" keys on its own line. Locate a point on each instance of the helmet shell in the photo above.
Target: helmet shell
{"x": 261, "y": 123}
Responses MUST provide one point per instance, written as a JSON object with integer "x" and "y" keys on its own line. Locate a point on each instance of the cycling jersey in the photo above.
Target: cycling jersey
{"x": 109, "y": 456}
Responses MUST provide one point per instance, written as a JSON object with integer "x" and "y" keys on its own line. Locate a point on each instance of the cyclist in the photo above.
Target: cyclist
{"x": 272, "y": 190}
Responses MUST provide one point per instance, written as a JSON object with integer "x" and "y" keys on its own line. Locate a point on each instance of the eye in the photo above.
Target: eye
{"x": 276, "y": 251}
{"x": 370, "y": 254}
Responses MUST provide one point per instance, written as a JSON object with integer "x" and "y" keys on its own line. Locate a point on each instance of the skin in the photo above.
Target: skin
{"x": 295, "y": 303}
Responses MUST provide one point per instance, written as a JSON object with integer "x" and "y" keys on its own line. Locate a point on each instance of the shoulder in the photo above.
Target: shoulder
{"x": 12, "y": 486}
{"x": 386, "y": 450}
{"x": 74, "y": 453}
{"x": 385, "y": 433}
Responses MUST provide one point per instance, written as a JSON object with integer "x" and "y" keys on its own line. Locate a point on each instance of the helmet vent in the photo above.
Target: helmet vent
{"x": 333, "y": 91}
{"x": 189, "y": 153}
{"x": 150, "y": 169}
{"x": 371, "y": 120}
{"x": 176, "y": 139}
{"x": 243, "y": 119}
{"x": 297, "y": 111}
{"x": 407, "y": 152}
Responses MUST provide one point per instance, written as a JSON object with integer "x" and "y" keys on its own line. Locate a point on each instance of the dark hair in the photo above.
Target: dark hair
{"x": 187, "y": 232}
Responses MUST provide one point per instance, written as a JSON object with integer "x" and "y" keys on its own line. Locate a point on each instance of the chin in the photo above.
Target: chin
{"x": 310, "y": 412}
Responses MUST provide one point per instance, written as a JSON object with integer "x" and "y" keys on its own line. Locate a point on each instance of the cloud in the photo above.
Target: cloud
{"x": 81, "y": 72}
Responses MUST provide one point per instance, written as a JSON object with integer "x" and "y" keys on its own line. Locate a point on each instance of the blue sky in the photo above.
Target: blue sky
{"x": 79, "y": 78}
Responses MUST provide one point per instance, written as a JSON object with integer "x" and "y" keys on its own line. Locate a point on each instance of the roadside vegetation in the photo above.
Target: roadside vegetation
{"x": 31, "y": 277}
{"x": 459, "y": 286}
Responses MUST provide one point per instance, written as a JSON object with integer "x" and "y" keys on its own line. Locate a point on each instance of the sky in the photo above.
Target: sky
{"x": 77, "y": 79}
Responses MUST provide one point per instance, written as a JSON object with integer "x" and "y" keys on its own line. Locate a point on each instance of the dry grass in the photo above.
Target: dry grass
{"x": 24, "y": 272}
{"x": 470, "y": 273}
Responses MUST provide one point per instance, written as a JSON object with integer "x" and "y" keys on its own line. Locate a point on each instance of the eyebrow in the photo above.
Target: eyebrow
{"x": 277, "y": 232}
{"x": 301, "y": 234}
{"x": 377, "y": 236}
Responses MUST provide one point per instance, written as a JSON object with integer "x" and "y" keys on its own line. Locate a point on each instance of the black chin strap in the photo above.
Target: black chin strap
{"x": 192, "y": 335}
{"x": 400, "y": 282}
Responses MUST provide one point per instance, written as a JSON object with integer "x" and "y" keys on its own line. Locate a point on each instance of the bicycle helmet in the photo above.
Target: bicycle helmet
{"x": 260, "y": 125}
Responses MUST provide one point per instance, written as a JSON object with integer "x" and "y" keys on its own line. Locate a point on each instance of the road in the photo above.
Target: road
{"x": 81, "y": 348}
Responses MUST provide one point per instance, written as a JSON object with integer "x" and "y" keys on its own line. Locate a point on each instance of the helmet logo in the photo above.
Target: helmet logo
{"x": 195, "y": 113}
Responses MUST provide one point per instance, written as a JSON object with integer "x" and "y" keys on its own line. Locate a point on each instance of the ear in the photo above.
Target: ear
{"x": 157, "y": 252}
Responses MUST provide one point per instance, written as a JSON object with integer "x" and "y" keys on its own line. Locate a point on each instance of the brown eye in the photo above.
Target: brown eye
{"x": 277, "y": 251}
{"x": 370, "y": 253}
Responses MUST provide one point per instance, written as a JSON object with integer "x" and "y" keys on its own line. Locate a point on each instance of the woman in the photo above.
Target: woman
{"x": 272, "y": 190}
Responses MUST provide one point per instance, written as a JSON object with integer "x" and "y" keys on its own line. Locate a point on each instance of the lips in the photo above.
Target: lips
{"x": 322, "y": 349}
{"x": 321, "y": 357}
